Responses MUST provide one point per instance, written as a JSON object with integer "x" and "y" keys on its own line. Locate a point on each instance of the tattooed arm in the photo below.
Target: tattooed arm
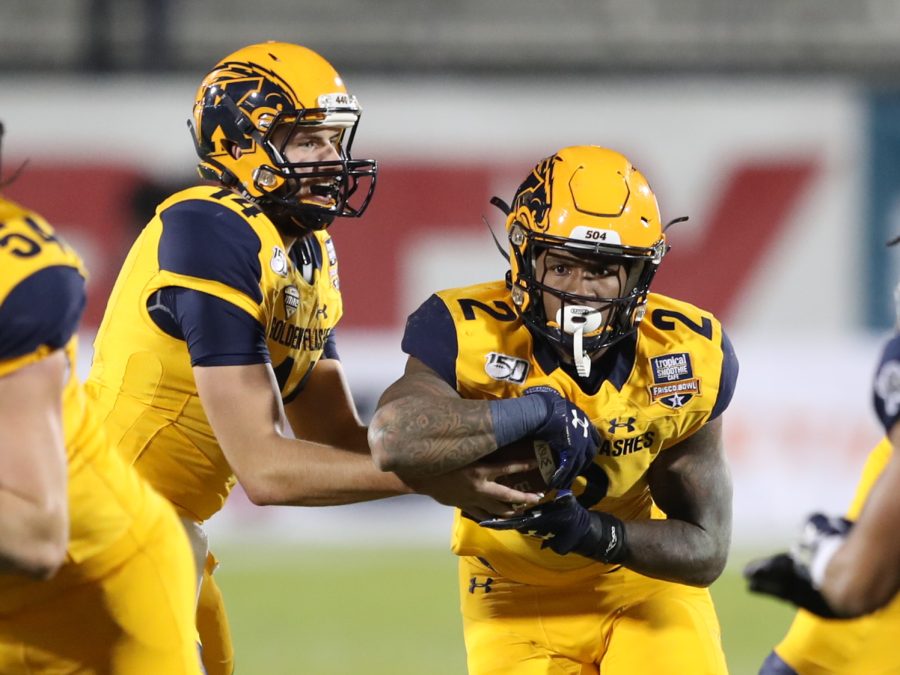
{"x": 423, "y": 428}
{"x": 429, "y": 436}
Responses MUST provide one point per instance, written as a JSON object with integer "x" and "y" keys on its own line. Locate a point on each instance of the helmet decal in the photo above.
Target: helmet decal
{"x": 532, "y": 200}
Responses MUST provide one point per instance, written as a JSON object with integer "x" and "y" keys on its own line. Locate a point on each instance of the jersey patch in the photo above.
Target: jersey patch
{"x": 279, "y": 262}
{"x": 674, "y": 383}
{"x": 505, "y": 368}
{"x": 329, "y": 249}
{"x": 291, "y": 300}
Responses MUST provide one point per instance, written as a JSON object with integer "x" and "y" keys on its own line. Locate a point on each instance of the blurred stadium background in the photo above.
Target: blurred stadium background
{"x": 774, "y": 125}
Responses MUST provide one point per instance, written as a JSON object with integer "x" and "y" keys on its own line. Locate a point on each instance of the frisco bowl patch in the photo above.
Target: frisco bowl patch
{"x": 674, "y": 383}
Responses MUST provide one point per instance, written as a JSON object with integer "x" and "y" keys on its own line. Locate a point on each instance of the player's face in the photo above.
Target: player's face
{"x": 588, "y": 277}
{"x": 309, "y": 144}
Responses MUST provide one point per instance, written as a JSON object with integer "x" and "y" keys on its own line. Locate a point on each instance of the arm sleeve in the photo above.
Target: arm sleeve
{"x": 41, "y": 310}
{"x": 430, "y": 336}
{"x": 206, "y": 240}
{"x": 330, "y": 348}
{"x": 216, "y": 332}
{"x": 728, "y": 378}
{"x": 886, "y": 394}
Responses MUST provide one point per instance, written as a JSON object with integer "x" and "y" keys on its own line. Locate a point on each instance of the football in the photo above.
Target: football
{"x": 525, "y": 449}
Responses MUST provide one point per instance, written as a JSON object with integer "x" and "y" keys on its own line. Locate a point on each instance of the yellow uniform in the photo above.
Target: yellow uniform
{"x": 122, "y": 602}
{"x": 528, "y": 610}
{"x": 816, "y": 646}
{"x": 208, "y": 240}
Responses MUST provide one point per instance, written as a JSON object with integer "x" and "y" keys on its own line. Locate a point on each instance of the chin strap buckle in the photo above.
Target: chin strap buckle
{"x": 576, "y": 320}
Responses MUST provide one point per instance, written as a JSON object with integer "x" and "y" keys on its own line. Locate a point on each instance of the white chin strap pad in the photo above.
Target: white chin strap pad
{"x": 576, "y": 320}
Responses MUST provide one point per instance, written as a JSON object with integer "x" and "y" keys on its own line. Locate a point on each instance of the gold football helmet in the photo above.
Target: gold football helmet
{"x": 257, "y": 89}
{"x": 589, "y": 202}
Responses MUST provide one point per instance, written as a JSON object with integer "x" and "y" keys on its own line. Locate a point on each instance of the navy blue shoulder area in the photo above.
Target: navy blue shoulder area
{"x": 43, "y": 309}
{"x": 207, "y": 240}
{"x": 430, "y": 336}
{"x": 886, "y": 390}
{"x": 728, "y": 379}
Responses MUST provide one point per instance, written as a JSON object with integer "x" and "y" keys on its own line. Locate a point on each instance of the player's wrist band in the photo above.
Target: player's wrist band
{"x": 605, "y": 541}
{"x": 514, "y": 418}
{"x": 824, "y": 553}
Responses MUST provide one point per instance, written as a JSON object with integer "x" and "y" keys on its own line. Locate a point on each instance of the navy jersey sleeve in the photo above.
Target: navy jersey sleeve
{"x": 216, "y": 332}
{"x": 330, "y": 349}
{"x": 430, "y": 336}
{"x": 208, "y": 240}
{"x": 887, "y": 385}
{"x": 43, "y": 309}
{"x": 728, "y": 379}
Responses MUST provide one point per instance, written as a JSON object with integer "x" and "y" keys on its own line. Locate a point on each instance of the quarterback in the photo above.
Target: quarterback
{"x": 219, "y": 336}
{"x": 96, "y": 574}
{"x": 626, "y": 387}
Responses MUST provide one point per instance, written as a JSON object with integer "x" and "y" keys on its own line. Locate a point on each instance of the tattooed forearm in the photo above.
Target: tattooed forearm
{"x": 421, "y": 429}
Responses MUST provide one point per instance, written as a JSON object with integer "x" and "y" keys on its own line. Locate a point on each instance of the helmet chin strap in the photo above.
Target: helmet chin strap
{"x": 576, "y": 320}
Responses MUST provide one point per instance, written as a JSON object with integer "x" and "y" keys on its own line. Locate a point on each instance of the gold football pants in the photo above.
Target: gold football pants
{"x": 619, "y": 623}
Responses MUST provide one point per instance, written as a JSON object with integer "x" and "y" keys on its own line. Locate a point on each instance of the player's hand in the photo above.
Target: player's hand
{"x": 779, "y": 576}
{"x": 565, "y": 526}
{"x": 473, "y": 490}
{"x": 797, "y": 576}
{"x": 570, "y": 433}
{"x": 821, "y": 536}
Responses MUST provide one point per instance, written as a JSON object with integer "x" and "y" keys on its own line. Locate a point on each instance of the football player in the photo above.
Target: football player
{"x": 219, "y": 333}
{"x": 846, "y": 567}
{"x": 96, "y": 574}
{"x": 609, "y": 573}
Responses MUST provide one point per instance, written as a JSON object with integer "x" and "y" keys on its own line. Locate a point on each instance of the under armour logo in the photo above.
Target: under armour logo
{"x": 473, "y": 584}
{"x": 322, "y": 311}
{"x": 543, "y": 536}
{"x": 578, "y": 422}
{"x": 615, "y": 424}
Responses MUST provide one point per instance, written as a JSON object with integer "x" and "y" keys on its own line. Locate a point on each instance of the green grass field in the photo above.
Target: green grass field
{"x": 332, "y": 611}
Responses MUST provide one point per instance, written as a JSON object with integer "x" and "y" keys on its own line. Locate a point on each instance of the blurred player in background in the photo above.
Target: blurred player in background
{"x": 595, "y": 579}
{"x": 96, "y": 574}
{"x": 846, "y": 567}
{"x": 219, "y": 332}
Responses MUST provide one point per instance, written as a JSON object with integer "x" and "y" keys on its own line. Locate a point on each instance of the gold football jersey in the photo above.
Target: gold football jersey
{"x": 211, "y": 240}
{"x": 40, "y": 274}
{"x": 653, "y": 393}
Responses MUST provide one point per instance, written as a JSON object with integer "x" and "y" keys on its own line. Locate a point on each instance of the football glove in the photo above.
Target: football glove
{"x": 798, "y": 575}
{"x": 565, "y": 526}
{"x": 778, "y": 576}
{"x": 572, "y": 437}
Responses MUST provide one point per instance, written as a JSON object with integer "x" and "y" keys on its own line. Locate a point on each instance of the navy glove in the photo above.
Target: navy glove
{"x": 797, "y": 576}
{"x": 572, "y": 437}
{"x": 778, "y": 576}
{"x": 565, "y": 526}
